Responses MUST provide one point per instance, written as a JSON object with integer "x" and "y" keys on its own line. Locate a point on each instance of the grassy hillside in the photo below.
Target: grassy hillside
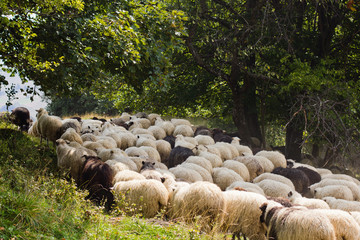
{"x": 38, "y": 202}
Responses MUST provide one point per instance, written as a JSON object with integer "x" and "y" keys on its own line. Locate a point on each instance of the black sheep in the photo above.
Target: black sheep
{"x": 220, "y": 136}
{"x": 97, "y": 177}
{"x": 20, "y": 116}
{"x": 202, "y": 130}
{"x": 178, "y": 155}
{"x": 313, "y": 176}
{"x": 297, "y": 177}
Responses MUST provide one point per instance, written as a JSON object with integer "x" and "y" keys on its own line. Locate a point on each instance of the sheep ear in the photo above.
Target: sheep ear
{"x": 315, "y": 191}
{"x": 290, "y": 194}
{"x": 263, "y": 207}
{"x": 153, "y": 163}
{"x": 143, "y": 162}
{"x": 162, "y": 179}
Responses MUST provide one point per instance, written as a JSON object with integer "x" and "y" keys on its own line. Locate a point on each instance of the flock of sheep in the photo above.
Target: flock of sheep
{"x": 203, "y": 175}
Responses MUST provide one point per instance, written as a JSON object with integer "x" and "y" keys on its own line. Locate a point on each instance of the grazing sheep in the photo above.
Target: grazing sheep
{"x": 20, "y": 116}
{"x": 149, "y": 196}
{"x": 71, "y": 135}
{"x": 152, "y": 153}
{"x": 247, "y": 186}
{"x": 136, "y": 152}
{"x": 220, "y": 136}
{"x": 342, "y": 204}
{"x": 342, "y": 177}
{"x": 337, "y": 191}
{"x": 254, "y": 166}
{"x": 166, "y": 125}
{"x": 127, "y": 175}
{"x": 310, "y": 203}
{"x": 116, "y": 166}
{"x": 239, "y": 168}
{"x": 267, "y": 165}
{"x": 164, "y": 149}
{"x": 149, "y": 172}
{"x": 277, "y": 158}
{"x": 204, "y": 140}
{"x": 204, "y": 131}
{"x": 106, "y": 154}
{"x": 275, "y": 177}
{"x": 203, "y": 162}
{"x": 314, "y": 177}
{"x": 242, "y": 214}
{"x": 344, "y": 224}
{"x": 184, "y": 130}
{"x": 158, "y": 132}
{"x": 298, "y": 177}
{"x": 285, "y": 223}
{"x": 328, "y": 181}
{"x": 186, "y": 174}
{"x": 274, "y": 188}
{"x": 34, "y": 130}
{"x": 242, "y": 149}
{"x": 205, "y": 174}
{"x": 178, "y": 155}
{"x": 224, "y": 177}
{"x": 177, "y": 122}
{"x": 143, "y": 141}
{"x": 70, "y": 123}
{"x": 69, "y": 158}
{"x": 49, "y": 126}
{"x": 198, "y": 199}
{"x": 97, "y": 177}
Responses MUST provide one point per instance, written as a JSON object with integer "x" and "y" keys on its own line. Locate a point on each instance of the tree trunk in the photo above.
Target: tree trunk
{"x": 293, "y": 141}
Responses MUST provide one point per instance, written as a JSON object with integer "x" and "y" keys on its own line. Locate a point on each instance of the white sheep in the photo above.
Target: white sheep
{"x": 242, "y": 214}
{"x": 166, "y": 125}
{"x": 127, "y": 161}
{"x": 329, "y": 181}
{"x": 285, "y": 223}
{"x": 88, "y": 137}
{"x": 152, "y": 117}
{"x": 152, "y": 153}
{"x": 184, "y": 130}
{"x": 70, "y": 158}
{"x": 310, "y": 203}
{"x": 48, "y": 126}
{"x": 91, "y": 126}
{"x": 337, "y": 191}
{"x": 274, "y": 188}
{"x": 342, "y": 177}
{"x": 136, "y": 152}
{"x": 164, "y": 149}
{"x": 267, "y": 165}
{"x": 158, "y": 132}
{"x": 205, "y": 174}
{"x": 242, "y": 149}
{"x": 203, "y": 162}
{"x": 344, "y": 224}
{"x": 95, "y": 146}
{"x": 143, "y": 141}
{"x": 254, "y": 166}
{"x": 239, "y": 168}
{"x": 107, "y": 142}
{"x": 106, "y": 154}
{"x": 140, "y": 122}
{"x": 342, "y": 204}
{"x": 71, "y": 123}
{"x": 185, "y": 174}
{"x": 127, "y": 175}
{"x": 71, "y": 135}
{"x": 247, "y": 186}
{"x": 277, "y": 158}
{"x": 34, "y": 130}
{"x": 138, "y": 131}
{"x": 225, "y": 152}
{"x": 204, "y": 140}
{"x": 149, "y": 196}
{"x": 275, "y": 177}
{"x": 127, "y": 140}
{"x": 179, "y": 121}
{"x": 214, "y": 159}
{"x": 116, "y": 167}
{"x": 202, "y": 199}
{"x": 181, "y": 141}
{"x": 224, "y": 177}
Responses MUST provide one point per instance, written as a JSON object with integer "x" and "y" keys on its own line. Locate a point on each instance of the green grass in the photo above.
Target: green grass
{"x": 37, "y": 201}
